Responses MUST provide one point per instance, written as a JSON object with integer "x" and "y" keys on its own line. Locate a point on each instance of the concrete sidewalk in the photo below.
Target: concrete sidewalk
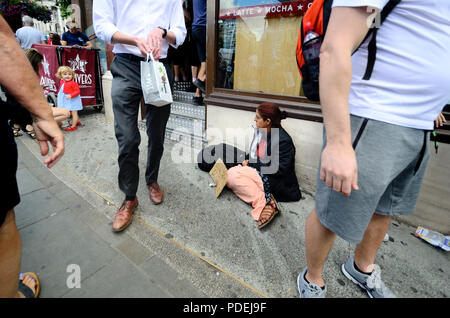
{"x": 192, "y": 245}
{"x": 60, "y": 229}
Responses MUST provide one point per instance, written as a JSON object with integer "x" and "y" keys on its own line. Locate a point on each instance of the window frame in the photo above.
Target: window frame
{"x": 298, "y": 107}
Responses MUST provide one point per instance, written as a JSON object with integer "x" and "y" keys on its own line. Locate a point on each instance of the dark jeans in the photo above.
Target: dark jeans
{"x": 126, "y": 96}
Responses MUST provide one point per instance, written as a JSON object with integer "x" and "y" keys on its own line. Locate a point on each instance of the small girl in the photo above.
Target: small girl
{"x": 69, "y": 95}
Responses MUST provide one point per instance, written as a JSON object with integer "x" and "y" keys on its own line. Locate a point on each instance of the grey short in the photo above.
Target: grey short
{"x": 391, "y": 165}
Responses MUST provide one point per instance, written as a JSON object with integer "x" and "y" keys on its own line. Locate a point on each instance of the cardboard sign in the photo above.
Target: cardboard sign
{"x": 219, "y": 174}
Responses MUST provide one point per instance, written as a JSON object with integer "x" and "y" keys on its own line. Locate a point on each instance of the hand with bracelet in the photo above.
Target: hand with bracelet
{"x": 154, "y": 41}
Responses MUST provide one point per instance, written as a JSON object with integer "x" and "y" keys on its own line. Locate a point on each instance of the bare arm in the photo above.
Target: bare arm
{"x": 346, "y": 30}
{"x": 19, "y": 79}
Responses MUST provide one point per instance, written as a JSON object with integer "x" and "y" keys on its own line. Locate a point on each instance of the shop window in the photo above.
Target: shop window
{"x": 256, "y": 41}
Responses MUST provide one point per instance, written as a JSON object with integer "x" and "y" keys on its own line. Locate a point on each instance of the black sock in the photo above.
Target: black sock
{"x": 356, "y": 267}
{"x": 130, "y": 197}
{"x": 304, "y": 276}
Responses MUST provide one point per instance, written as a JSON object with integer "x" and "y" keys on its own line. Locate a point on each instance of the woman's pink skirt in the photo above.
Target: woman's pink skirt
{"x": 246, "y": 183}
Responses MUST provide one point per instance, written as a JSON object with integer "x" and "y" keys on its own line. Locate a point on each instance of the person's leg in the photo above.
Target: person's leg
{"x": 248, "y": 186}
{"x": 319, "y": 242}
{"x": 366, "y": 250}
{"x": 126, "y": 96}
{"x": 75, "y": 118}
{"x": 176, "y": 71}
{"x": 156, "y": 120}
{"x": 60, "y": 114}
{"x": 183, "y": 74}
{"x": 202, "y": 72}
{"x": 199, "y": 35}
{"x": 194, "y": 70}
{"x": 10, "y": 256}
{"x": 198, "y": 93}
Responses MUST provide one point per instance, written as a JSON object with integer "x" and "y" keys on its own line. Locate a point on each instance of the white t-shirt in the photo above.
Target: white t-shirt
{"x": 27, "y": 36}
{"x": 410, "y": 83}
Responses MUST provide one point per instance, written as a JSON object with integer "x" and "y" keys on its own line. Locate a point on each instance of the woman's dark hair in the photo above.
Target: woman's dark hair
{"x": 272, "y": 112}
{"x": 56, "y": 39}
{"x": 35, "y": 57}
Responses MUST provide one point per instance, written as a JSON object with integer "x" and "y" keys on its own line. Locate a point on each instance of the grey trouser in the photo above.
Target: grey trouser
{"x": 392, "y": 161}
{"x": 126, "y": 96}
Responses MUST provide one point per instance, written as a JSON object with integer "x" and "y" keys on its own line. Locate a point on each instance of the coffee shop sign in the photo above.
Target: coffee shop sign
{"x": 291, "y": 8}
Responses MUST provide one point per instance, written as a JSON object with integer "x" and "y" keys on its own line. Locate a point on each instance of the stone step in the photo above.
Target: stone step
{"x": 185, "y": 138}
{"x": 186, "y": 109}
{"x": 183, "y": 87}
{"x": 178, "y": 131}
{"x": 186, "y": 124}
{"x": 183, "y": 96}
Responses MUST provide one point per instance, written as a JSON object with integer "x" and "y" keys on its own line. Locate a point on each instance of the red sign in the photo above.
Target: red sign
{"x": 48, "y": 69}
{"x": 290, "y": 8}
{"x": 82, "y": 61}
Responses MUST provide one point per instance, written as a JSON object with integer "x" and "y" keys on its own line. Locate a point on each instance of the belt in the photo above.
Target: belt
{"x": 134, "y": 58}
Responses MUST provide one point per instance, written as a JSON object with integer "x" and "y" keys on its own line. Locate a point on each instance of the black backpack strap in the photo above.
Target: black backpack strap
{"x": 372, "y": 48}
{"x": 326, "y": 14}
{"x": 372, "y": 55}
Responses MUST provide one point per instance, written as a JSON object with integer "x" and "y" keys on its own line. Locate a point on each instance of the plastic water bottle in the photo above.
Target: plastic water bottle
{"x": 311, "y": 44}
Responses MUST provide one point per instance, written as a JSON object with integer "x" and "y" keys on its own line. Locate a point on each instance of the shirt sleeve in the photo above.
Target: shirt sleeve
{"x": 18, "y": 37}
{"x": 64, "y": 37}
{"x": 75, "y": 90}
{"x": 84, "y": 37}
{"x": 177, "y": 24}
{"x": 103, "y": 19}
{"x": 379, "y": 4}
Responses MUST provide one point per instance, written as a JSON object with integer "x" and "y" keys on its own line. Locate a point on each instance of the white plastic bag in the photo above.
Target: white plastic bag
{"x": 155, "y": 82}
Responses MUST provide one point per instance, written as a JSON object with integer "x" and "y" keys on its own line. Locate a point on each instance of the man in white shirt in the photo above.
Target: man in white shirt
{"x": 28, "y": 35}
{"x": 376, "y": 132}
{"x": 136, "y": 27}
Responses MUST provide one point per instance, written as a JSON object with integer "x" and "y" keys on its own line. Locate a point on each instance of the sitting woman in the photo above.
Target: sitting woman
{"x": 268, "y": 173}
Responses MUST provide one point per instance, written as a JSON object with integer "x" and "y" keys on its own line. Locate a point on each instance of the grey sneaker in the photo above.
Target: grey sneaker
{"x": 371, "y": 283}
{"x": 309, "y": 290}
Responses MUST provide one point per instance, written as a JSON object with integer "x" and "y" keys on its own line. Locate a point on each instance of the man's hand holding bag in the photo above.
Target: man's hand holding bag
{"x": 155, "y": 82}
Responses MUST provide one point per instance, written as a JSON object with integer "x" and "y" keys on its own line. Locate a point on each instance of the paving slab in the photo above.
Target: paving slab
{"x": 64, "y": 234}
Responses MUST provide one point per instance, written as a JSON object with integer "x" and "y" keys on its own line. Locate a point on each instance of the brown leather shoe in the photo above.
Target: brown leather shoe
{"x": 123, "y": 217}
{"x": 155, "y": 193}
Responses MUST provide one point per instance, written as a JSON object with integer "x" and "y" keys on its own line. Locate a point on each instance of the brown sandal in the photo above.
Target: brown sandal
{"x": 272, "y": 208}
